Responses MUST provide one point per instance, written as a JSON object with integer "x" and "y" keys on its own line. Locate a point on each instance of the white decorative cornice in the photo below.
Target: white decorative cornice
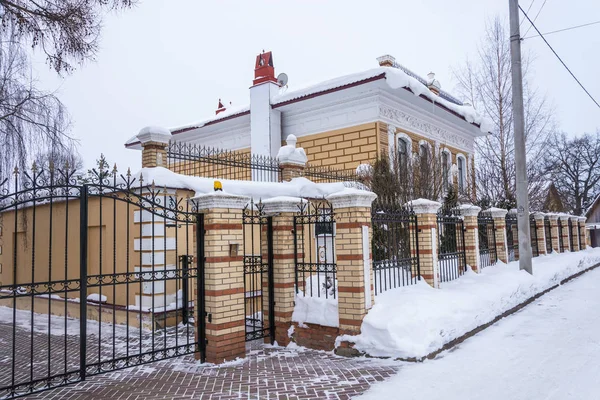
{"x": 351, "y": 198}
{"x": 418, "y": 125}
{"x": 469, "y": 210}
{"x": 220, "y": 200}
{"x": 424, "y": 206}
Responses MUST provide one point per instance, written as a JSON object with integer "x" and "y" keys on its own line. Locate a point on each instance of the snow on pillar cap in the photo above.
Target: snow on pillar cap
{"x": 424, "y": 206}
{"x": 351, "y": 197}
{"x": 573, "y": 218}
{"x": 469, "y": 210}
{"x": 154, "y": 134}
{"x": 289, "y": 154}
{"x": 497, "y": 212}
{"x": 564, "y": 217}
{"x": 582, "y": 219}
{"x": 538, "y": 215}
{"x": 552, "y": 216}
{"x": 220, "y": 200}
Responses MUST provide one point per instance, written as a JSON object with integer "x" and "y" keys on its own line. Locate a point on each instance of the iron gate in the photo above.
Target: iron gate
{"x": 487, "y": 240}
{"x": 548, "y": 234}
{"x": 258, "y": 273}
{"x": 314, "y": 249}
{"x": 512, "y": 241}
{"x": 451, "y": 245}
{"x": 105, "y": 249}
{"x": 394, "y": 246}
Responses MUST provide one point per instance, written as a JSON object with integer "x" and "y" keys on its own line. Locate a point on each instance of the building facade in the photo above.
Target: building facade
{"x": 346, "y": 121}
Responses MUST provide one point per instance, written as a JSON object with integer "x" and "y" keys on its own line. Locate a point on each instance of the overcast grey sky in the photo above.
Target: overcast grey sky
{"x": 167, "y": 62}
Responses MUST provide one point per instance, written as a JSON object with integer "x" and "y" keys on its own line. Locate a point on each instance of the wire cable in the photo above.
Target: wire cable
{"x": 562, "y": 30}
{"x": 559, "y": 59}
{"x": 534, "y": 18}
{"x": 528, "y": 8}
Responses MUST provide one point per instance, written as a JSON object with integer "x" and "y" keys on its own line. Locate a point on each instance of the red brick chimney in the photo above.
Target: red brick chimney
{"x": 264, "y": 71}
{"x": 220, "y": 107}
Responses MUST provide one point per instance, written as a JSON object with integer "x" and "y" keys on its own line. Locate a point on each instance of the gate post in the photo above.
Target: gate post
{"x": 575, "y": 239}
{"x": 470, "y": 213}
{"x": 499, "y": 216}
{"x": 427, "y": 236}
{"x": 282, "y": 210}
{"x": 554, "y": 231}
{"x": 564, "y": 219}
{"x": 540, "y": 232}
{"x": 582, "y": 235}
{"x": 352, "y": 210}
{"x": 224, "y": 275}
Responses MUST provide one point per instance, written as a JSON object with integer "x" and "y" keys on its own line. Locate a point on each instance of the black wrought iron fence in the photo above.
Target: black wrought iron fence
{"x": 452, "y": 259}
{"x": 512, "y": 240}
{"x": 327, "y": 174}
{"x": 571, "y": 235}
{"x": 394, "y": 245}
{"x": 210, "y": 162}
{"x": 561, "y": 241}
{"x": 487, "y": 240}
{"x": 315, "y": 266}
{"x": 548, "y": 233}
{"x": 533, "y": 234}
{"x": 98, "y": 274}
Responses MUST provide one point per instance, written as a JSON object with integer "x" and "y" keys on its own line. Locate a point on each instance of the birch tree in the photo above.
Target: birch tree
{"x": 485, "y": 82}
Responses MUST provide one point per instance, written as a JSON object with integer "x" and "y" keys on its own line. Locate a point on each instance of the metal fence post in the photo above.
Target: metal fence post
{"x": 83, "y": 243}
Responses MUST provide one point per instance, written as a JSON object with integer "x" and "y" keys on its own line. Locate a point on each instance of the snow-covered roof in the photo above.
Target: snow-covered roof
{"x": 395, "y": 78}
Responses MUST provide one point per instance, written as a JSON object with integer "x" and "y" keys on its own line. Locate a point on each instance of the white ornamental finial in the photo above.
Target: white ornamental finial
{"x": 291, "y": 140}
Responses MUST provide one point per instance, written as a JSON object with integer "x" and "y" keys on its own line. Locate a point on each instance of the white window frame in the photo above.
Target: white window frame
{"x": 461, "y": 156}
{"x": 404, "y": 137}
{"x": 447, "y": 151}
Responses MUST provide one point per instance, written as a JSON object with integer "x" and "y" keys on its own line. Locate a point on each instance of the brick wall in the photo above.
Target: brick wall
{"x": 314, "y": 336}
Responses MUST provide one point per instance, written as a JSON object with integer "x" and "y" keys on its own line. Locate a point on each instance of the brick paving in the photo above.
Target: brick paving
{"x": 266, "y": 373}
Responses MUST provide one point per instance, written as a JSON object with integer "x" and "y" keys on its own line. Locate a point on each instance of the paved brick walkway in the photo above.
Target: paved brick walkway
{"x": 267, "y": 373}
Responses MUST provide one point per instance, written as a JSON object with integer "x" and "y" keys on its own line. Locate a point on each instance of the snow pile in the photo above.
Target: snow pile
{"x": 290, "y": 154}
{"x": 318, "y": 306}
{"x": 297, "y": 187}
{"x": 95, "y": 297}
{"x": 414, "y": 321}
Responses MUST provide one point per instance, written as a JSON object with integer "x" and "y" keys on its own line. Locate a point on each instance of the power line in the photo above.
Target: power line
{"x": 528, "y": 8}
{"x": 562, "y": 30}
{"x": 559, "y": 59}
{"x": 534, "y": 18}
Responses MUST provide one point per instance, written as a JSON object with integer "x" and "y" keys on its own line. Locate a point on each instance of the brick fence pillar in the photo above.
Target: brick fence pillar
{"x": 540, "y": 232}
{"x": 499, "y": 216}
{"x": 282, "y": 210}
{"x": 292, "y": 160}
{"x": 554, "y": 231}
{"x": 427, "y": 234}
{"x": 575, "y": 224}
{"x": 352, "y": 211}
{"x": 154, "y": 142}
{"x": 224, "y": 275}
{"x": 564, "y": 220}
{"x": 470, "y": 213}
{"x": 582, "y": 235}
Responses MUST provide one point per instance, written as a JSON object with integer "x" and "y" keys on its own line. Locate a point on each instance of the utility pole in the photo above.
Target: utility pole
{"x": 519, "y": 121}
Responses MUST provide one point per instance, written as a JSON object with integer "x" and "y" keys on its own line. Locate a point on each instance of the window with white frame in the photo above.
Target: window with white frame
{"x": 403, "y": 152}
{"x": 446, "y": 157}
{"x": 462, "y": 172}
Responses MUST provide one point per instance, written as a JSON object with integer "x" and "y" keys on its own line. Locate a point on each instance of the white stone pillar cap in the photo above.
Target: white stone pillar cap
{"x": 538, "y": 215}
{"x": 424, "y": 206}
{"x": 469, "y": 210}
{"x": 350, "y": 197}
{"x": 573, "y": 218}
{"x": 552, "y": 216}
{"x": 564, "y": 217}
{"x": 220, "y": 200}
{"x": 582, "y": 219}
{"x": 279, "y": 204}
{"x": 154, "y": 134}
{"x": 497, "y": 212}
{"x": 511, "y": 211}
{"x": 290, "y": 154}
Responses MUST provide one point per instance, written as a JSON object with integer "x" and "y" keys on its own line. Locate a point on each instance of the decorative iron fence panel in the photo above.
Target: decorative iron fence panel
{"x": 487, "y": 240}
{"x": 394, "y": 246}
{"x": 451, "y": 245}
{"x": 108, "y": 251}
{"x": 314, "y": 235}
{"x": 561, "y": 242}
{"x": 571, "y": 236}
{"x": 512, "y": 240}
{"x": 548, "y": 233}
{"x": 535, "y": 251}
{"x": 258, "y": 273}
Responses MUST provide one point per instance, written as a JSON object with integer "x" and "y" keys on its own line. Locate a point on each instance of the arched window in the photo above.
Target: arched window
{"x": 462, "y": 172}
{"x": 446, "y": 163}
{"x": 424, "y": 151}
{"x": 403, "y": 152}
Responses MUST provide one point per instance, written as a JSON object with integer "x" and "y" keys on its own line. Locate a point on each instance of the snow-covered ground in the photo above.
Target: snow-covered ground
{"x": 414, "y": 321}
{"x": 549, "y": 350}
